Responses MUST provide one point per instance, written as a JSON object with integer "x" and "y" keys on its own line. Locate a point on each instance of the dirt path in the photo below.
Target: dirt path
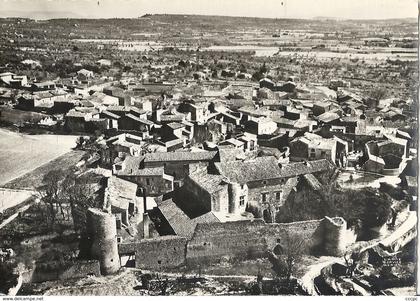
{"x": 307, "y": 281}
{"x": 15, "y": 215}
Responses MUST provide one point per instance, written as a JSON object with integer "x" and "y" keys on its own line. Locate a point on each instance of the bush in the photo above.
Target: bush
{"x": 8, "y": 278}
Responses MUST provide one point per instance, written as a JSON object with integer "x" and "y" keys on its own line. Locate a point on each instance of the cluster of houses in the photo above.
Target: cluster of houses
{"x": 225, "y": 153}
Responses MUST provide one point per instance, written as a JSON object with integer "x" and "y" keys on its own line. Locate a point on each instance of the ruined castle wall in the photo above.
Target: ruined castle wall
{"x": 250, "y": 239}
{"x": 162, "y": 252}
{"x": 231, "y": 239}
{"x": 104, "y": 240}
{"x": 241, "y": 239}
{"x": 311, "y": 232}
{"x": 335, "y": 235}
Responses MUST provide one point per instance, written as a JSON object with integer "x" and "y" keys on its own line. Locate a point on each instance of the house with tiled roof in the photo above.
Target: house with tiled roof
{"x": 179, "y": 222}
{"x": 111, "y": 117}
{"x": 314, "y": 147}
{"x": 100, "y": 98}
{"x": 261, "y": 126}
{"x": 183, "y": 131}
{"x": 227, "y": 200}
{"x": 153, "y": 180}
{"x": 120, "y": 146}
{"x": 122, "y": 199}
{"x": 178, "y": 163}
{"x": 268, "y": 183}
{"x": 131, "y": 122}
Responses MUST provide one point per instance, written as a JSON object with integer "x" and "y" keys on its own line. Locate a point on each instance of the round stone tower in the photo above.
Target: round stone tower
{"x": 103, "y": 233}
{"x": 335, "y": 235}
{"x": 236, "y": 191}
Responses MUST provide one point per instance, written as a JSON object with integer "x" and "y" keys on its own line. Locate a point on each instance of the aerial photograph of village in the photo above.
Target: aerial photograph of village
{"x": 197, "y": 147}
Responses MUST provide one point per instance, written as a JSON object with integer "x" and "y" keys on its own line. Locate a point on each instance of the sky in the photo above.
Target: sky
{"x": 342, "y": 9}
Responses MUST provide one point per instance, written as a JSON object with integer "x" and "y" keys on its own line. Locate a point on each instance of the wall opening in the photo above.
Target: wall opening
{"x": 278, "y": 249}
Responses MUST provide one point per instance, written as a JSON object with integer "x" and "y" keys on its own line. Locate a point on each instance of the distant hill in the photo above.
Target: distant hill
{"x": 38, "y": 15}
{"x": 43, "y": 15}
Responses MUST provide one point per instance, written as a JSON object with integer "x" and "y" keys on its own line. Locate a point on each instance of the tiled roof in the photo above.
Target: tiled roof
{"x": 328, "y": 117}
{"x": 246, "y": 171}
{"x": 233, "y": 141}
{"x": 174, "y": 142}
{"x": 376, "y": 159}
{"x": 229, "y": 154}
{"x": 175, "y": 125}
{"x": 172, "y": 117}
{"x": 144, "y": 121}
{"x": 208, "y": 182}
{"x": 301, "y": 168}
{"x": 179, "y": 221}
{"x": 208, "y": 217}
{"x": 283, "y": 120}
{"x": 313, "y": 182}
{"x": 110, "y": 115}
{"x": 121, "y": 192}
{"x": 179, "y": 156}
{"x": 132, "y": 168}
{"x": 73, "y": 113}
{"x": 263, "y": 168}
{"x": 396, "y": 140}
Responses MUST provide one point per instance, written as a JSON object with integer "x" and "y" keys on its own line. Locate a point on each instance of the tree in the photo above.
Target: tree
{"x": 377, "y": 210}
{"x": 290, "y": 252}
{"x": 8, "y": 277}
{"x": 351, "y": 260}
{"x": 264, "y": 69}
{"x": 50, "y": 194}
{"x": 79, "y": 194}
{"x": 257, "y": 76}
{"x": 378, "y": 93}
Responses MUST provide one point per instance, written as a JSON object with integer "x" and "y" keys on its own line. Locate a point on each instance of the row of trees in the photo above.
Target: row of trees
{"x": 63, "y": 190}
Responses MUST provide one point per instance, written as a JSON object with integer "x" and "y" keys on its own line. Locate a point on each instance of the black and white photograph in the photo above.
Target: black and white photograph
{"x": 208, "y": 148}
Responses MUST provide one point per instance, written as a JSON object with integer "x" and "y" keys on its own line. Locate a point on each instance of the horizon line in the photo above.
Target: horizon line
{"x": 200, "y": 15}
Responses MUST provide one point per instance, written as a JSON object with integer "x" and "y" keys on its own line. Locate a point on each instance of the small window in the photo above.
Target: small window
{"x": 159, "y": 261}
{"x": 241, "y": 200}
{"x": 264, "y": 182}
{"x": 278, "y": 195}
{"x": 147, "y": 181}
{"x": 264, "y": 197}
{"x": 278, "y": 240}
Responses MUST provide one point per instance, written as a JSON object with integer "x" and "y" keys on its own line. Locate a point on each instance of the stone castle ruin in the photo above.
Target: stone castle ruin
{"x": 210, "y": 242}
{"x": 103, "y": 234}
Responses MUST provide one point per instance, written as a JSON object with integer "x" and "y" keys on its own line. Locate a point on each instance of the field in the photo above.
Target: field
{"x": 11, "y": 198}
{"x": 22, "y": 153}
{"x": 33, "y": 178}
{"x": 11, "y": 116}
